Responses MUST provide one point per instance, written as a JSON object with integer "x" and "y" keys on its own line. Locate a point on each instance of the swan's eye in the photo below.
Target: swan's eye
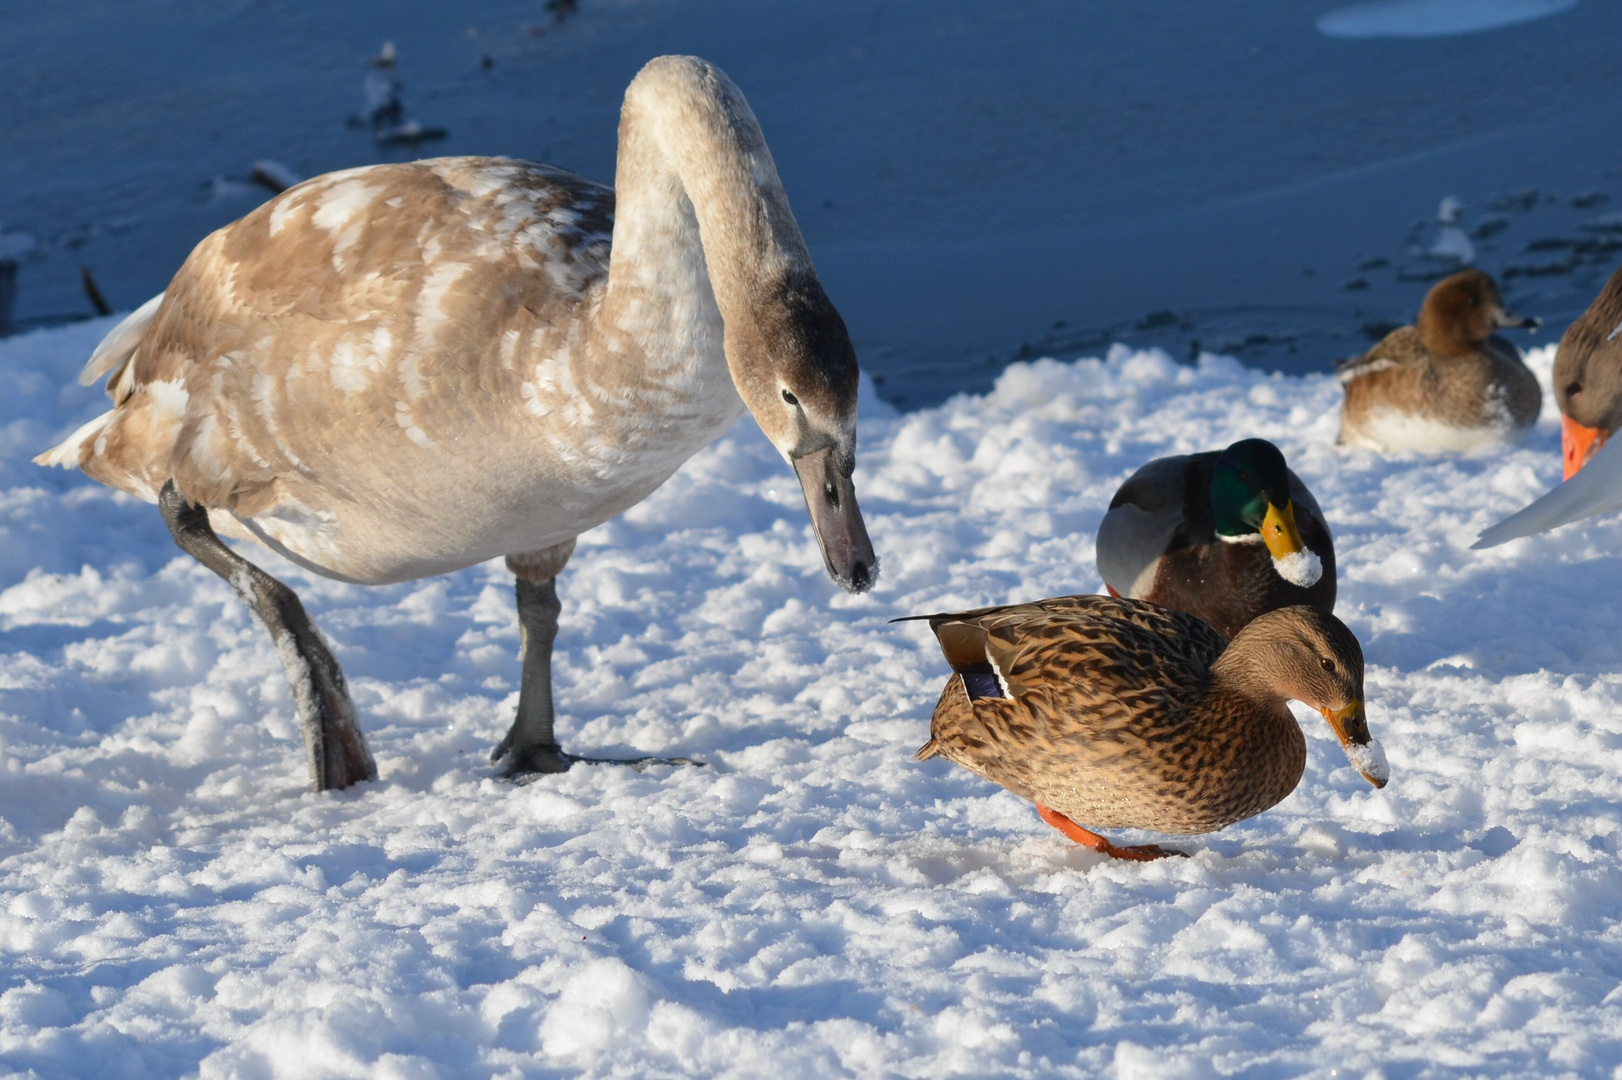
{"x": 1328, "y": 664}
{"x": 790, "y": 398}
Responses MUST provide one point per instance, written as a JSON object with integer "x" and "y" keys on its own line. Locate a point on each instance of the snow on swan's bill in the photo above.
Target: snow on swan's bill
{"x": 1369, "y": 760}
{"x": 1433, "y": 18}
{"x": 1301, "y": 568}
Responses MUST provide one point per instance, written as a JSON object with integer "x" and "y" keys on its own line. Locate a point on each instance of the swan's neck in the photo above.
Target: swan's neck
{"x": 703, "y": 233}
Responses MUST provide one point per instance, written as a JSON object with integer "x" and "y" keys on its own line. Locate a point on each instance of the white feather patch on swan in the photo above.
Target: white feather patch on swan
{"x": 1369, "y": 760}
{"x": 1301, "y": 568}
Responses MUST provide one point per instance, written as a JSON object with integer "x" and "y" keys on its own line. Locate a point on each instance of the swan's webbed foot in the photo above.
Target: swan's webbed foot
{"x": 530, "y": 760}
{"x": 536, "y": 762}
{"x": 333, "y": 742}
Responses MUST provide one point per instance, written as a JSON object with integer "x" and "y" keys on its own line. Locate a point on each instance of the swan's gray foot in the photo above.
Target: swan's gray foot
{"x": 550, "y": 759}
{"x": 333, "y": 742}
{"x": 530, "y": 748}
{"x": 532, "y": 760}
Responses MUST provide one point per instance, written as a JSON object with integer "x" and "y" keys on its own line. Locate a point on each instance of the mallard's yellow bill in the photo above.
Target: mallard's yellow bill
{"x": 1279, "y": 532}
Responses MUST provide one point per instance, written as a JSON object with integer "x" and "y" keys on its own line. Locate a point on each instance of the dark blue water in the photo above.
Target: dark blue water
{"x": 978, "y": 182}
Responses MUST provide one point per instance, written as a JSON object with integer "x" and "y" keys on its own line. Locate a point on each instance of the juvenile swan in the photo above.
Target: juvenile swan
{"x": 401, "y": 370}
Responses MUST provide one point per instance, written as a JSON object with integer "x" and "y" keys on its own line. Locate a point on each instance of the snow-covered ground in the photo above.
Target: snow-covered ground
{"x": 811, "y": 902}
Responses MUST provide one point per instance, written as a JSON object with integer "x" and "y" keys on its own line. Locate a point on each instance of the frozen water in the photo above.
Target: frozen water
{"x": 1434, "y": 18}
{"x": 812, "y": 902}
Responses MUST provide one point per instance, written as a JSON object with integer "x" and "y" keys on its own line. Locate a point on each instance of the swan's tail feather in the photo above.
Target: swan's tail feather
{"x": 120, "y": 343}
{"x": 69, "y": 453}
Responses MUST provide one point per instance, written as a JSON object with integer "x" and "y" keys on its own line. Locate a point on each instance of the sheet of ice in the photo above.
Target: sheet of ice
{"x": 1433, "y": 18}
{"x": 812, "y": 902}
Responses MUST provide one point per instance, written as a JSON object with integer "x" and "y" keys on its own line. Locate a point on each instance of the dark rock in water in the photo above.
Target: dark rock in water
{"x": 274, "y": 176}
{"x": 8, "y": 290}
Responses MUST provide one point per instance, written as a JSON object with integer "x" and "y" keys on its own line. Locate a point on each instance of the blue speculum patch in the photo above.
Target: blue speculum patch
{"x": 981, "y": 684}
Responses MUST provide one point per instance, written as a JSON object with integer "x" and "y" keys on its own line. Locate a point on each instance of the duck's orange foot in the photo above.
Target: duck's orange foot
{"x": 1086, "y": 838}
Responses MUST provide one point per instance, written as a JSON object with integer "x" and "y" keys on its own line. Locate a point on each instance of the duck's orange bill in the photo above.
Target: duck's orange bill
{"x": 1578, "y": 444}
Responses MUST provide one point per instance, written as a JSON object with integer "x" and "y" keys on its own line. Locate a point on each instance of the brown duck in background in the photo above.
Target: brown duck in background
{"x": 1126, "y": 715}
{"x": 1447, "y": 383}
{"x": 1222, "y": 535}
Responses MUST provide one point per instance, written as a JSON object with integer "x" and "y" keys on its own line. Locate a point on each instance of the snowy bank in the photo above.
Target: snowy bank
{"x": 812, "y": 902}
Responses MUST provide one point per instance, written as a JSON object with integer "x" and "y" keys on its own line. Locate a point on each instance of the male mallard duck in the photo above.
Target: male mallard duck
{"x": 1588, "y": 387}
{"x": 1128, "y": 715}
{"x": 1447, "y": 383}
{"x": 1223, "y": 536}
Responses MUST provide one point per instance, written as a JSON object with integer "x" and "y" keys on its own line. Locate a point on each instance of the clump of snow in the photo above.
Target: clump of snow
{"x": 1433, "y": 18}
{"x": 812, "y": 902}
{"x": 1301, "y": 568}
{"x": 1369, "y": 759}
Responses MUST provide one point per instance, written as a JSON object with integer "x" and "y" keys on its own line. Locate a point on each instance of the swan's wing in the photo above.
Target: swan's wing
{"x": 1594, "y": 490}
{"x": 352, "y": 323}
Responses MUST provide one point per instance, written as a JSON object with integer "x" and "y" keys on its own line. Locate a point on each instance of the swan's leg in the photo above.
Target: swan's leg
{"x": 333, "y": 742}
{"x": 531, "y": 746}
{"x": 1088, "y": 838}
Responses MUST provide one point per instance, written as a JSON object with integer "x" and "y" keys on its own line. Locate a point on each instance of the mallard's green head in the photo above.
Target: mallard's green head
{"x": 1250, "y": 500}
{"x": 1250, "y": 476}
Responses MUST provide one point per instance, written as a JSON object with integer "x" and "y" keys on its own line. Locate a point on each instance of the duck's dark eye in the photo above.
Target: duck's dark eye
{"x": 1328, "y": 664}
{"x": 790, "y": 398}
{"x": 1573, "y": 389}
{"x": 1474, "y": 302}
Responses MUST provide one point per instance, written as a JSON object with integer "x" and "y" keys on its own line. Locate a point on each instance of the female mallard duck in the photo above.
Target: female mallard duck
{"x": 1127, "y": 715}
{"x": 1588, "y": 388}
{"x": 1447, "y": 383}
{"x": 1223, "y": 536}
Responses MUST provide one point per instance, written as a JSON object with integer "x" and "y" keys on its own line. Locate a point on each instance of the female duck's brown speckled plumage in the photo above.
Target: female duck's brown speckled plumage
{"x": 1447, "y": 383}
{"x": 1123, "y": 714}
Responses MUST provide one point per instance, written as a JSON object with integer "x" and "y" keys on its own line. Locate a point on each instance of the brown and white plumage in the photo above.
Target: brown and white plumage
{"x": 1447, "y": 383}
{"x": 400, "y": 342}
{"x": 401, "y": 370}
{"x": 1119, "y": 713}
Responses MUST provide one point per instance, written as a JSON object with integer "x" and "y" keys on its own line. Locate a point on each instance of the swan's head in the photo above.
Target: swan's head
{"x": 795, "y": 368}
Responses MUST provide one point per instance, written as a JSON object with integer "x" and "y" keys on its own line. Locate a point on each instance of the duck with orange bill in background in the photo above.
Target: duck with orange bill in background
{"x": 1447, "y": 383}
{"x": 1224, "y": 536}
{"x": 1123, "y": 714}
{"x": 1588, "y": 389}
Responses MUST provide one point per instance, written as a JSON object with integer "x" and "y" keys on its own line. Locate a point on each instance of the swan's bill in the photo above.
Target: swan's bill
{"x": 831, "y": 499}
